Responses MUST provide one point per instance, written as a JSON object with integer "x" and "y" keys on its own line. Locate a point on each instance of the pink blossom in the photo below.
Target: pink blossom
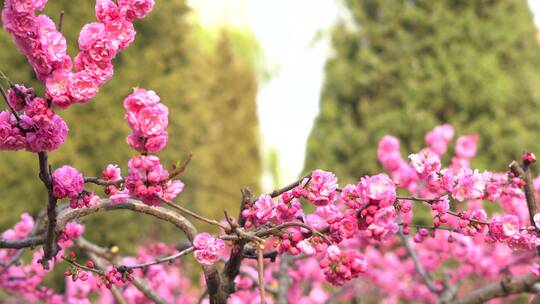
{"x": 264, "y": 208}
{"x": 306, "y": 247}
{"x": 469, "y": 185}
{"x": 28, "y": 6}
{"x": 139, "y": 99}
{"x": 425, "y": 163}
{"x": 350, "y": 197}
{"x": 340, "y": 267}
{"x": 19, "y": 23}
{"x": 120, "y": 33}
{"x": 156, "y": 143}
{"x": 67, "y": 182}
{"x": 207, "y": 248}
{"x": 107, "y": 11}
{"x": 466, "y": 146}
{"x": 48, "y": 137}
{"x": 379, "y": 189}
{"x": 82, "y": 87}
{"x": 344, "y": 227}
{"x": 135, "y": 8}
{"x": 536, "y": 219}
{"x": 388, "y": 152}
{"x": 503, "y": 228}
{"x": 171, "y": 190}
{"x": 90, "y": 34}
{"x": 101, "y": 72}
{"x": 439, "y": 137}
{"x": 153, "y": 120}
{"x": 112, "y": 172}
{"x": 11, "y": 138}
{"x": 71, "y": 231}
{"x": 322, "y": 188}
{"x": 21, "y": 229}
{"x": 16, "y": 101}
{"x": 316, "y": 222}
{"x": 58, "y": 89}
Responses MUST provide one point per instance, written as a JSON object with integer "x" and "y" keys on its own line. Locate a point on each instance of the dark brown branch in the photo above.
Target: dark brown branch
{"x": 51, "y": 248}
{"x": 278, "y": 192}
{"x": 24, "y": 243}
{"x": 503, "y": 288}
{"x": 15, "y": 259}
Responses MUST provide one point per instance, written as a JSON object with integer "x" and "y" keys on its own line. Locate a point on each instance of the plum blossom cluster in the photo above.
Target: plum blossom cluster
{"x": 340, "y": 267}
{"x": 36, "y": 128}
{"x": 45, "y": 47}
{"x": 32, "y": 124}
{"x": 147, "y": 118}
{"x": 147, "y": 179}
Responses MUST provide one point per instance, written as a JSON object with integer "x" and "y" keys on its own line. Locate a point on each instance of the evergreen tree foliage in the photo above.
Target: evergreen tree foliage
{"x": 210, "y": 90}
{"x": 402, "y": 67}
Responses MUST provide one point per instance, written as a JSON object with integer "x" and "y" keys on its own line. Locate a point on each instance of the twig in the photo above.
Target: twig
{"x": 182, "y": 168}
{"x": 4, "y": 96}
{"x": 97, "y": 252}
{"x": 525, "y": 173}
{"x": 195, "y": 215}
{"x": 160, "y": 260}
{"x": 419, "y": 268}
{"x": 60, "y": 21}
{"x": 292, "y": 224}
{"x": 260, "y": 269}
{"x": 280, "y": 191}
{"x": 102, "y": 182}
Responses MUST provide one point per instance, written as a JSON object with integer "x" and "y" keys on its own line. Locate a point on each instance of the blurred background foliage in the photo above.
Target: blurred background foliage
{"x": 403, "y": 67}
{"x": 208, "y": 79}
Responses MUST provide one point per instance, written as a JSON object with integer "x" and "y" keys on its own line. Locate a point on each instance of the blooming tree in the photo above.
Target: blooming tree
{"x": 356, "y": 238}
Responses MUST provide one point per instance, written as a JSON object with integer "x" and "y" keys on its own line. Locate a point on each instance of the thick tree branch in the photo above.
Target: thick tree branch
{"x": 28, "y": 242}
{"x": 503, "y": 288}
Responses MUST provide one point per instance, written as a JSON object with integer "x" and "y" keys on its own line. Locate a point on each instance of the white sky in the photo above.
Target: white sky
{"x": 286, "y": 30}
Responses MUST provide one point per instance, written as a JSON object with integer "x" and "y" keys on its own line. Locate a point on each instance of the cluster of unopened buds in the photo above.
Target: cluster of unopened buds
{"x": 340, "y": 267}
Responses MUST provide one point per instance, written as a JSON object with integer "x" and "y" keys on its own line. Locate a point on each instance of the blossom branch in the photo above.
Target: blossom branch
{"x": 97, "y": 253}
